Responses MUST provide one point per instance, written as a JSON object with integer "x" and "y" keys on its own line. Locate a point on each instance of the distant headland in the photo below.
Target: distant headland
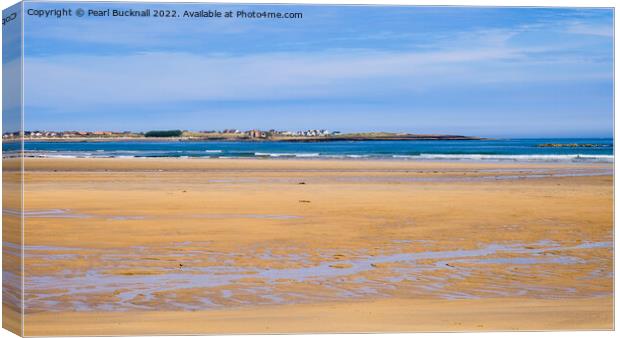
{"x": 254, "y": 135}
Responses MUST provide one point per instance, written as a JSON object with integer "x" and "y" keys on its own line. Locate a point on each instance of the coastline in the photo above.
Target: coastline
{"x": 493, "y": 151}
{"x": 308, "y": 139}
{"x": 423, "y": 158}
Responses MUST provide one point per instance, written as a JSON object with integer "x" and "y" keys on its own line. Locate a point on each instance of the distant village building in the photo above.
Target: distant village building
{"x": 312, "y": 133}
{"x": 255, "y": 133}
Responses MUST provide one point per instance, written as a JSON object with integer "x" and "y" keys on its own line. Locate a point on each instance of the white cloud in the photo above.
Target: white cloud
{"x": 11, "y": 91}
{"x": 150, "y": 78}
{"x": 577, "y": 27}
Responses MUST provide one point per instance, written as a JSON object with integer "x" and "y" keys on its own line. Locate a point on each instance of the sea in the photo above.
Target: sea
{"x": 458, "y": 150}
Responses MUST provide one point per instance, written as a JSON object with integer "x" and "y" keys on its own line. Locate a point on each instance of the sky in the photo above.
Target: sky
{"x": 492, "y": 72}
{"x": 11, "y": 71}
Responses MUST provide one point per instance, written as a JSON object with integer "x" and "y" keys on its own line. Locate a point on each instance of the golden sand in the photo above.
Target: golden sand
{"x": 513, "y": 246}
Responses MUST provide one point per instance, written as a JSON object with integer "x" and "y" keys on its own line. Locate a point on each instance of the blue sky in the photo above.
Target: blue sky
{"x": 11, "y": 75}
{"x": 495, "y": 72}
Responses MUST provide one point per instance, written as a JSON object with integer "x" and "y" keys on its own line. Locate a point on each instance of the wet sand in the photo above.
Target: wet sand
{"x": 250, "y": 246}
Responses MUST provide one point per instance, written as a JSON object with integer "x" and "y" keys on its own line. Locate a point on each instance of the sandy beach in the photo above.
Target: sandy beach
{"x": 128, "y": 246}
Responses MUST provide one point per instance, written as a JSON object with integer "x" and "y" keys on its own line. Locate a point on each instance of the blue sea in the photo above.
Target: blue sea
{"x": 473, "y": 150}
